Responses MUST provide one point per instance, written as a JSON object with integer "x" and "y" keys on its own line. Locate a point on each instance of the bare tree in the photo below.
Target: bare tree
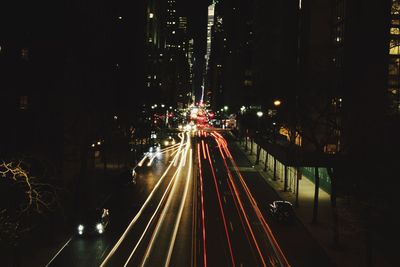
{"x": 23, "y": 200}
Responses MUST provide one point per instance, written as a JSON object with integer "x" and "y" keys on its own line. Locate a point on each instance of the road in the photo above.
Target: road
{"x": 147, "y": 219}
{"x": 196, "y": 203}
{"x": 238, "y": 228}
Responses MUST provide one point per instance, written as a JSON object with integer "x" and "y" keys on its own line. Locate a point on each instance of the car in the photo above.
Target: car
{"x": 282, "y": 211}
{"x": 169, "y": 141}
{"x": 93, "y": 222}
{"x": 154, "y": 147}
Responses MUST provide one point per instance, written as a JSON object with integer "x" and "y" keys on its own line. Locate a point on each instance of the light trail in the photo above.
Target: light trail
{"x": 178, "y": 219}
{"x": 204, "y": 151}
{"x": 236, "y": 193}
{"x": 116, "y": 246}
{"x": 165, "y": 150}
{"x": 143, "y": 159}
{"x": 175, "y": 161}
{"x": 58, "y": 253}
{"x": 278, "y": 251}
{"x": 202, "y": 207}
{"x": 220, "y": 206}
{"x": 162, "y": 217}
{"x": 151, "y": 219}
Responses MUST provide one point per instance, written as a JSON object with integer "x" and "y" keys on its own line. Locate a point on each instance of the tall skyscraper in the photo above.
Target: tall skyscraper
{"x": 210, "y": 23}
{"x": 167, "y": 65}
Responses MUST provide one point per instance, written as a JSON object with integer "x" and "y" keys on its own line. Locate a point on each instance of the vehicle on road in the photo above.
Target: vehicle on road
{"x": 169, "y": 141}
{"x": 93, "y": 222}
{"x": 154, "y": 147}
{"x": 282, "y": 211}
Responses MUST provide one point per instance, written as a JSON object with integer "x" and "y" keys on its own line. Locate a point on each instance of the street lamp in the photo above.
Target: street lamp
{"x": 225, "y": 108}
{"x": 259, "y": 115}
{"x": 277, "y": 103}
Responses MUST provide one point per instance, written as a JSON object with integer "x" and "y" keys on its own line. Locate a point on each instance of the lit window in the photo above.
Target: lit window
{"x": 150, "y": 40}
{"x": 394, "y": 48}
{"x": 395, "y": 8}
{"x": 394, "y": 31}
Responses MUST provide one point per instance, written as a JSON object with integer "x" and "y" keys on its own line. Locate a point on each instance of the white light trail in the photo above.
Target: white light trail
{"x": 116, "y": 246}
{"x": 178, "y": 219}
{"x": 55, "y": 256}
{"x": 164, "y": 212}
{"x": 151, "y": 219}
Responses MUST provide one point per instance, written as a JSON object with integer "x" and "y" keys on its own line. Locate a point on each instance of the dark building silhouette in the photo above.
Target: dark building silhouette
{"x": 167, "y": 67}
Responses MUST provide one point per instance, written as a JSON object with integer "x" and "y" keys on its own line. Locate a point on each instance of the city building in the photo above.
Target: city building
{"x": 168, "y": 69}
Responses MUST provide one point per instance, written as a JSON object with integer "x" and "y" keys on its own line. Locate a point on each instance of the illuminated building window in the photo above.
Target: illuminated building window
{"x": 150, "y": 40}
{"x": 23, "y": 102}
{"x": 394, "y": 31}
{"x": 394, "y": 48}
{"x": 395, "y": 8}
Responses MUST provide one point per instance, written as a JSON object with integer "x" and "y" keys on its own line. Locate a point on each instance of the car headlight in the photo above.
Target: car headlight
{"x": 100, "y": 228}
{"x": 80, "y": 229}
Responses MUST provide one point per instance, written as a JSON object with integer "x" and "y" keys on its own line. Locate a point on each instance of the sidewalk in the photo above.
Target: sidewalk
{"x": 351, "y": 251}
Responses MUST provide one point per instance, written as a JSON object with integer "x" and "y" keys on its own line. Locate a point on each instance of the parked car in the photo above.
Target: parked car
{"x": 282, "y": 211}
{"x": 93, "y": 222}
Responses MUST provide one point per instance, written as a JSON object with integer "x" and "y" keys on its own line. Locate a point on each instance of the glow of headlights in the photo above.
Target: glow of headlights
{"x": 99, "y": 226}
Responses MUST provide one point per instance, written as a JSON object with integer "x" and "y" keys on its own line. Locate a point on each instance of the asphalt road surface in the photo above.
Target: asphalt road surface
{"x": 196, "y": 203}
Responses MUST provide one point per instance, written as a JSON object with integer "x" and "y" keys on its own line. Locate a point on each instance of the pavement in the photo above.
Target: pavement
{"x": 351, "y": 250}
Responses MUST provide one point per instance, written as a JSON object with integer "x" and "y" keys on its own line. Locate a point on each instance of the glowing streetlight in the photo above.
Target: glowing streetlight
{"x": 277, "y": 103}
{"x": 260, "y": 114}
{"x": 225, "y": 108}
